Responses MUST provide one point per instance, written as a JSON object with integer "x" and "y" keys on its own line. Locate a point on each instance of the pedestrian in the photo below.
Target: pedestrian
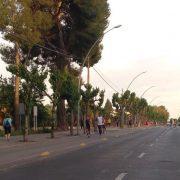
{"x": 103, "y": 126}
{"x": 7, "y": 124}
{"x": 82, "y": 124}
{"x": 100, "y": 124}
{"x": 88, "y": 126}
{"x": 109, "y": 122}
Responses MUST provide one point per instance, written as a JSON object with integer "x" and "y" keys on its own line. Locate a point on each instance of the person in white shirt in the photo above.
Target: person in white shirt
{"x": 100, "y": 124}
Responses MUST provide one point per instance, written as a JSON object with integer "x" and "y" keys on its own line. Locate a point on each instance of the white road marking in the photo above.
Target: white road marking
{"x": 121, "y": 176}
{"x": 141, "y": 155}
{"x": 151, "y": 145}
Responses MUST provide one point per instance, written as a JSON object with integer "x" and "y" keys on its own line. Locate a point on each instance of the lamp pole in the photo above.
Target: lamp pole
{"x": 123, "y": 108}
{"x": 147, "y": 90}
{"x": 135, "y": 79}
{"x": 81, "y": 69}
{"x": 154, "y": 99}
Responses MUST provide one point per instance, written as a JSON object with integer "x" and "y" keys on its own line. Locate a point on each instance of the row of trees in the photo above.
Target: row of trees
{"x": 138, "y": 109}
{"x": 47, "y": 38}
{"x": 48, "y": 41}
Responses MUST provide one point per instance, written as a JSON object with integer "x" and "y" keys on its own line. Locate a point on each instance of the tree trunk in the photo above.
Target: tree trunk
{"x": 26, "y": 126}
{"x": 94, "y": 122}
{"x": 84, "y": 122}
{"x": 16, "y": 95}
{"x": 122, "y": 118}
{"x": 52, "y": 121}
{"x": 72, "y": 123}
{"x": 61, "y": 116}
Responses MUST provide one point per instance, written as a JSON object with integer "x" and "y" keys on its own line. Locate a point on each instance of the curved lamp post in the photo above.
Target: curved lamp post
{"x": 154, "y": 99}
{"x": 147, "y": 90}
{"x": 135, "y": 78}
{"x": 123, "y": 108}
{"x": 81, "y": 68}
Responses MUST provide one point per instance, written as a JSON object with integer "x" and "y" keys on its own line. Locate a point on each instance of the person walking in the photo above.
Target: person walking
{"x": 88, "y": 126}
{"x": 7, "y": 124}
{"x": 82, "y": 124}
{"x": 100, "y": 124}
{"x": 109, "y": 122}
{"x": 104, "y": 126}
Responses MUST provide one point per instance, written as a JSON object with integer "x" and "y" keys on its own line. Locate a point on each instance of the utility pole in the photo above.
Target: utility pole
{"x": 17, "y": 82}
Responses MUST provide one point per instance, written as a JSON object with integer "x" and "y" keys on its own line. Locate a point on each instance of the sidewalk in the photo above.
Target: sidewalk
{"x": 15, "y": 153}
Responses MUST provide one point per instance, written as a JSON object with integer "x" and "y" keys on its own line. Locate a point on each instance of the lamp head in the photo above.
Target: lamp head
{"x": 118, "y": 26}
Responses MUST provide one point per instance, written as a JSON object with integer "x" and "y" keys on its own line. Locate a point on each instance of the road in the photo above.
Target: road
{"x": 150, "y": 154}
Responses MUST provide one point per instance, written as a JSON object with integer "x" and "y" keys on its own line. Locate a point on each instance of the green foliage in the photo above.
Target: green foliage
{"x": 116, "y": 101}
{"x": 89, "y": 93}
{"x": 6, "y": 94}
{"x": 158, "y": 113}
{"x": 32, "y": 85}
{"x": 21, "y": 24}
{"x": 90, "y": 96}
{"x": 90, "y": 19}
{"x": 108, "y": 109}
{"x": 76, "y": 25}
{"x": 97, "y": 102}
{"x": 70, "y": 91}
{"x": 44, "y": 115}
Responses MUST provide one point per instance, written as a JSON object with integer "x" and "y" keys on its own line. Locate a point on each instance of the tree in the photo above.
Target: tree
{"x": 88, "y": 96}
{"x": 7, "y": 94}
{"x": 19, "y": 26}
{"x": 68, "y": 28}
{"x": 70, "y": 93}
{"x": 77, "y": 25}
{"x": 108, "y": 109}
{"x": 120, "y": 103}
{"x": 95, "y": 105}
{"x": 32, "y": 88}
{"x": 158, "y": 114}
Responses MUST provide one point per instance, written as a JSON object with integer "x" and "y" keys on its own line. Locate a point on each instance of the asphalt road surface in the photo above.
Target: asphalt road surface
{"x": 151, "y": 154}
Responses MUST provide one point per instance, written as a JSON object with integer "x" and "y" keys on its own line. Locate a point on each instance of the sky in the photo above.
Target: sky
{"x": 149, "y": 40}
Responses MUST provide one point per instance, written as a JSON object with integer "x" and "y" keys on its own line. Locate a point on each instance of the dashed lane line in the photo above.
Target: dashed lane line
{"x": 45, "y": 154}
{"x": 121, "y": 176}
{"x": 128, "y": 155}
{"x": 82, "y": 144}
{"x": 141, "y": 155}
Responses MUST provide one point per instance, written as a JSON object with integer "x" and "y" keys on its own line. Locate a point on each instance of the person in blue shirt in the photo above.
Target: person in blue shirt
{"x": 7, "y": 124}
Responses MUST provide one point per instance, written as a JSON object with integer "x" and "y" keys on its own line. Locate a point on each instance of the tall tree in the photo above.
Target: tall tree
{"x": 108, "y": 109}
{"x": 71, "y": 94}
{"x": 20, "y": 27}
{"x": 32, "y": 88}
{"x": 68, "y": 28}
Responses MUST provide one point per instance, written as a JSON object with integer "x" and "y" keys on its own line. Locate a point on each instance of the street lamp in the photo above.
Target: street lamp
{"x": 81, "y": 68}
{"x": 154, "y": 99}
{"x": 147, "y": 90}
{"x": 123, "y": 108}
{"x": 136, "y": 78}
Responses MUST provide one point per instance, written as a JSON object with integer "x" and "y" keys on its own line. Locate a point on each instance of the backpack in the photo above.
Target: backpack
{"x": 7, "y": 124}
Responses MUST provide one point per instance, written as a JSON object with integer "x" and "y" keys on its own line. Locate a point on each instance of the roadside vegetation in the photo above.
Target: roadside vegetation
{"x": 47, "y": 44}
